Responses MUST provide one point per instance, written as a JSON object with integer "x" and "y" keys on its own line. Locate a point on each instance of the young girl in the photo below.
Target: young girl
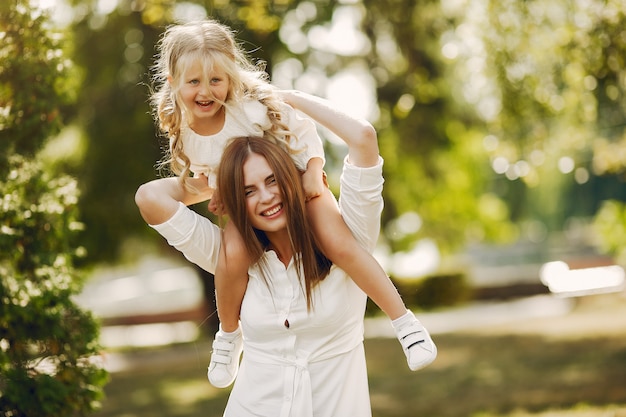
{"x": 207, "y": 93}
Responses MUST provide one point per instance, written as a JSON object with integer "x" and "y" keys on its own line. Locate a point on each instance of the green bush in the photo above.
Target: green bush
{"x": 48, "y": 346}
{"x": 609, "y": 225}
{"x": 47, "y": 343}
{"x": 440, "y": 290}
{"x": 35, "y": 81}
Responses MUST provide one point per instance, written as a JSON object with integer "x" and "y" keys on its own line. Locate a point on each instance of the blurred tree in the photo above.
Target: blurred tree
{"x": 121, "y": 149}
{"x": 553, "y": 83}
{"x": 610, "y": 224}
{"x": 538, "y": 86}
{"x": 431, "y": 140}
{"x": 47, "y": 343}
{"x": 32, "y": 97}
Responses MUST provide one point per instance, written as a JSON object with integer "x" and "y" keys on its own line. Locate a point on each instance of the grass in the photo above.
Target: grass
{"x": 500, "y": 375}
{"x": 513, "y": 372}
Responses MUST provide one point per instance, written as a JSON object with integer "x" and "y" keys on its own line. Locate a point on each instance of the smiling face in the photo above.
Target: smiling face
{"x": 203, "y": 94}
{"x": 264, "y": 202}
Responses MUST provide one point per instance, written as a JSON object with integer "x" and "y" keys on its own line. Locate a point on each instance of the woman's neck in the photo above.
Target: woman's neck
{"x": 281, "y": 244}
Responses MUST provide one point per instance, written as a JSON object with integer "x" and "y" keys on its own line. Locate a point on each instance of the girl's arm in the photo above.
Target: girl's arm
{"x": 359, "y": 134}
{"x": 158, "y": 200}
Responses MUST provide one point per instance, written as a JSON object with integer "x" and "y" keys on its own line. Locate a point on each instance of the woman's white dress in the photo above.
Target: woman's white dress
{"x": 315, "y": 366}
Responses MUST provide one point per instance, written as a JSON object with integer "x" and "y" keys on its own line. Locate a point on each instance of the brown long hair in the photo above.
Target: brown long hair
{"x": 307, "y": 255}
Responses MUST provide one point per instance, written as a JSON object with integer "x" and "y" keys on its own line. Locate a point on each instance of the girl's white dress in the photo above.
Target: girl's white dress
{"x": 315, "y": 366}
{"x": 249, "y": 118}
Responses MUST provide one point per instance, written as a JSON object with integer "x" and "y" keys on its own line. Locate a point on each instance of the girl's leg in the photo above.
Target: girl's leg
{"x": 340, "y": 246}
{"x": 231, "y": 280}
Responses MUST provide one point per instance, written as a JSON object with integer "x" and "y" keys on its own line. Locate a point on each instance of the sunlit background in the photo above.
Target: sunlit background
{"x": 502, "y": 129}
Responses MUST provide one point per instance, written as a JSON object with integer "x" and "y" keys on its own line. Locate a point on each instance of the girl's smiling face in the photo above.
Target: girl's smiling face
{"x": 202, "y": 94}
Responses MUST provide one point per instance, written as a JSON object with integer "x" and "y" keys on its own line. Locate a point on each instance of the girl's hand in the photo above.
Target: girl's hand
{"x": 215, "y": 205}
{"x": 313, "y": 184}
{"x": 314, "y": 179}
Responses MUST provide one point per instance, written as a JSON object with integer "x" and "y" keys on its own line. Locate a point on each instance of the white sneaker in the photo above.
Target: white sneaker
{"x": 419, "y": 348}
{"x": 224, "y": 363}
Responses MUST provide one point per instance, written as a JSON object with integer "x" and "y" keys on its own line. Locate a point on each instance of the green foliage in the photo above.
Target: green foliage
{"x": 554, "y": 72}
{"x": 431, "y": 141}
{"x": 48, "y": 345}
{"x": 430, "y": 292}
{"x": 33, "y": 88}
{"x": 122, "y": 147}
{"x": 610, "y": 225}
{"x": 534, "y": 89}
{"x": 439, "y": 290}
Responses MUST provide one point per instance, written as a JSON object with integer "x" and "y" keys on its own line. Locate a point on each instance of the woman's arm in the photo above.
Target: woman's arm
{"x": 161, "y": 203}
{"x": 359, "y": 134}
{"x": 158, "y": 200}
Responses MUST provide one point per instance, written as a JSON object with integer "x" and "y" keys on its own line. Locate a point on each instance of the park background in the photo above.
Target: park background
{"x": 502, "y": 128}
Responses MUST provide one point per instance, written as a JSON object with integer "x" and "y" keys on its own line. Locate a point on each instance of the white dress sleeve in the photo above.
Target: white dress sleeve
{"x": 194, "y": 235}
{"x": 361, "y": 202}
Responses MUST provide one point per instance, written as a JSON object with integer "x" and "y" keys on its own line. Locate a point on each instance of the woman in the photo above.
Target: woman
{"x": 302, "y": 319}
